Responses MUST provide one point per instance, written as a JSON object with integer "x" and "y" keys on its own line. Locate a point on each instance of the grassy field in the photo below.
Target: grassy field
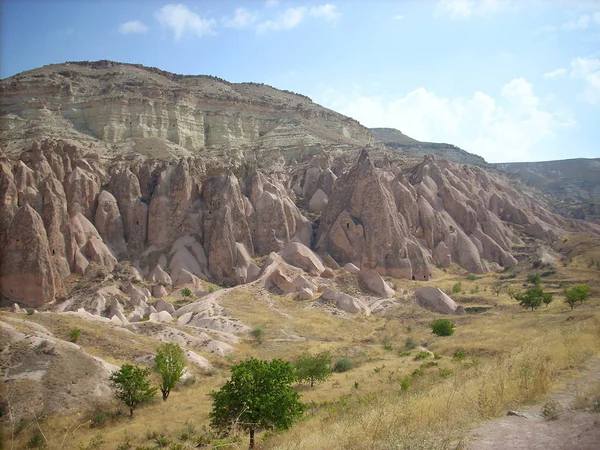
{"x": 500, "y": 356}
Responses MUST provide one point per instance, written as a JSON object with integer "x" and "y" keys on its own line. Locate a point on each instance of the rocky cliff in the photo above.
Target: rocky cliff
{"x": 191, "y": 178}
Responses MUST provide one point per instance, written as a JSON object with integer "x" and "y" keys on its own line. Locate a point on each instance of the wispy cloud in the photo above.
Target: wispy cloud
{"x": 290, "y": 18}
{"x": 242, "y": 18}
{"x": 465, "y": 9}
{"x": 133, "y": 27}
{"x": 398, "y": 17}
{"x": 293, "y": 17}
{"x": 587, "y": 69}
{"x": 553, "y": 75}
{"x": 271, "y": 3}
{"x": 327, "y": 12}
{"x": 181, "y": 20}
{"x": 583, "y": 22}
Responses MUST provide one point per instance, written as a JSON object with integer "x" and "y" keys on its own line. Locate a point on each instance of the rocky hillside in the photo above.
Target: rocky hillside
{"x": 187, "y": 179}
{"x": 396, "y": 140}
{"x": 572, "y": 186}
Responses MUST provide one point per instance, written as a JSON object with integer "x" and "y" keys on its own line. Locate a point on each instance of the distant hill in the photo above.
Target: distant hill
{"x": 395, "y": 139}
{"x": 572, "y": 185}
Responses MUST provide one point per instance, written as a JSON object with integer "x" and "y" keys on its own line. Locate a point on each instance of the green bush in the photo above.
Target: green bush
{"x": 422, "y": 355}
{"x": 471, "y": 277}
{"x": 258, "y": 333}
{"x": 459, "y": 355}
{"x": 74, "y": 335}
{"x": 186, "y": 292}
{"x": 387, "y": 344}
{"x": 534, "y": 278}
{"x": 402, "y": 353}
{"x": 442, "y": 327}
{"x": 409, "y": 344}
{"x": 405, "y": 383}
{"x": 457, "y": 287}
{"x": 342, "y": 364}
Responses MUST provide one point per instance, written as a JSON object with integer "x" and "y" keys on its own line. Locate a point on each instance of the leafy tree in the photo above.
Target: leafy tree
{"x": 170, "y": 364}
{"x": 131, "y": 386}
{"x": 258, "y": 395}
{"x": 497, "y": 288}
{"x": 533, "y": 298}
{"x": 313, "y": 368}
{"x": 442, "y": 327}
{"x": 576, "y": 294}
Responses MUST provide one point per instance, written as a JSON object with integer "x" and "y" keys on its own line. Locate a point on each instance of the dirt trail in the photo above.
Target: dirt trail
{"x": 573, "y": 430}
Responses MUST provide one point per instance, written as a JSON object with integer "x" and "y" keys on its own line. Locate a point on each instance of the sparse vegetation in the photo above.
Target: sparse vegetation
{"x": 457, "y": 287}
{"x": 410, "y": 343}
{"x": 533, "y": 298}
{"x": 576, "y": 294}
{"x": 442, "y": 327}
{"x": 497, "y": 288}
{"x": 551, "y": 410}
{"x": 186, "y": 292}
{"x": 534, "y": 278}
{"x": 422, "y": 355}
{"x": 472, "y": 277}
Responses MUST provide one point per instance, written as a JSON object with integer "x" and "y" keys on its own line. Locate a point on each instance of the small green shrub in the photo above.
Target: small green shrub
{"x": 459, "y": 355}
{"x": 471, "y": 277}
{"x": 186, "y": 292}
{"x": 387, "y": 344}
{"x": 442, "y": 327}
{"x": 457, "y": 287}
{"x": 258, "y": 333}
{"x": 445, "y": 373}
{"x": 409, "y": 344}
{"x": 437, "y": 356}
{"x": 534, "y": 278}
{"x": 417, "y": 373}
{"x": 403, "y": 353}
{"x": 342, "y": 364}
{"x": 428, "y": 364}
{"x": 422, "y": 355}
{"x": 36, "y": 441}
{"x": 405, "y": 383}
{"x": 74, "y": 335}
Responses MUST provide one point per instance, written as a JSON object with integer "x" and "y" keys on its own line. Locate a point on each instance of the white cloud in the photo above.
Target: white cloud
{"x": 555, "y": 73}
{"x": 327, "y": 12}
{"x": 398, "y": 17}
{"x": 242, "y": 18}
{"x": 506, "y": 128}
{"x": 181, "y": 20}
{"x": 587, "y": 69}
{"x": 583, "y": 22}
{"x": 290, "y": 18}
{"x": 465, "y": 9}
{"x": 133, "y": 26}
{"x": 271, "y": 3}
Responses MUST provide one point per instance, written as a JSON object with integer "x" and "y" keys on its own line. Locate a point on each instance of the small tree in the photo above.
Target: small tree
{"x": 576, "y": 294}
{"x": 131, "y": 386}
{"x": 170, "y": 364}
{"x": 258, "y": 395}
{"x": 497, "y": 288}
{"x": 511, "y": 292}
{"x": 533, "y": 298}
{"x": 258, "y": 334}
{"x": 442, "y": 327}
{"x": 534, "y": 278}
{"x": 313, "y": 368}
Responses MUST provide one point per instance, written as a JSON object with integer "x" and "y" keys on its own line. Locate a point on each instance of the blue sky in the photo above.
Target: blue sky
{"x": 508, "y": 80}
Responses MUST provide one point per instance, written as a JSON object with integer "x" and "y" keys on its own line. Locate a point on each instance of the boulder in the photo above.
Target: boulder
{"x": 434, "y": 299}
{"x": 162, "y": 305}
{"x": 252, "y": 272}
{"x": 372, "y": 282}
{"x": 282, "y": 281}
{"x": 327, "y": 273}
{"x": 162, "y": 316}
{"x": 158, "y": 275}
{"x": 301, "y": 256}
{"x": 304, "y": 294}
{"x": 351, "y": 268}
{"x": 318, "y": 201}
{"x": 345, "y": 302}
{"x": 14, "y": 308}
{"x": 159, "y": 291}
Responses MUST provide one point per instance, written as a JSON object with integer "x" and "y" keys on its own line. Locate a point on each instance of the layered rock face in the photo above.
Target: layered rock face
{"x": 209, "y": 175}
{"x": 117, "y": 102}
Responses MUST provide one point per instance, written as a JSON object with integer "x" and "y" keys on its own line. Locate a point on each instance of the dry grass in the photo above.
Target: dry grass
{"x": 514, "y": 356}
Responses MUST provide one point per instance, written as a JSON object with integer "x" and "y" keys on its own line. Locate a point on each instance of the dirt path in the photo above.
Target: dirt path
{"x": 573, "y": 430}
